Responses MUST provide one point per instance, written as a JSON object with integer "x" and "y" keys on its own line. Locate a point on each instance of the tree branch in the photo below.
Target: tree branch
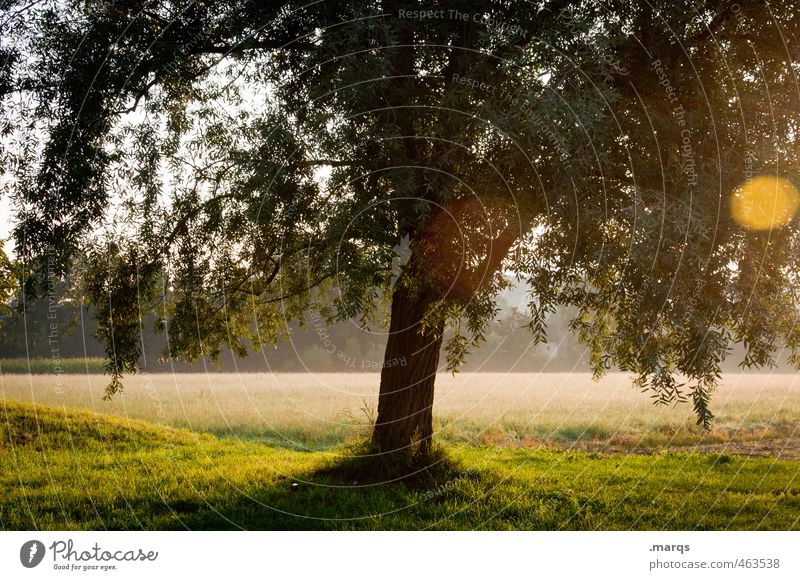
{"x": 470, "y": 282}
{"x": 331, "y": 162}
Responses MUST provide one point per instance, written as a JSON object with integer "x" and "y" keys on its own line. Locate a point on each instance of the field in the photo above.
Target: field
{"x": 514, "y": 451}
{"x": 65, "y": 469}
{"x": 756, "y": 413}
{"x": 49, "y": 366}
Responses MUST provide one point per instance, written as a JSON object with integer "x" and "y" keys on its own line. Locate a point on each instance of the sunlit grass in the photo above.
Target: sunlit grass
{"x": 319, "y": 411}
{"x": 63, "y": 469}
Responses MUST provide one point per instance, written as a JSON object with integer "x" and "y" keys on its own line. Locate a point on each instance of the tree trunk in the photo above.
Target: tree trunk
{"x": 436, "y": 270}
{"x": 405, "y": 401}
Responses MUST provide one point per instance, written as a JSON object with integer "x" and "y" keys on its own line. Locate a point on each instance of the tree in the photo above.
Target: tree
{"x": 230, "y": 166}
{"x": 8, "y": 283}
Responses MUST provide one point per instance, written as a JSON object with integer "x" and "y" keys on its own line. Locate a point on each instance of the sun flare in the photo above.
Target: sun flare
{"x": 765, "y": 202}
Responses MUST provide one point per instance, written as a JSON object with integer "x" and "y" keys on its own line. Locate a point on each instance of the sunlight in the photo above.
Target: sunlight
{"x": 764, "y": 202}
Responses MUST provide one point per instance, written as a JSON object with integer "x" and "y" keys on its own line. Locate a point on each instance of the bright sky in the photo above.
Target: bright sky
{"x": 5, "y": 223}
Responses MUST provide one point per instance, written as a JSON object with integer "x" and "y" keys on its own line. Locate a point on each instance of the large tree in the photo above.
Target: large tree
{"x": 229, "y": 166}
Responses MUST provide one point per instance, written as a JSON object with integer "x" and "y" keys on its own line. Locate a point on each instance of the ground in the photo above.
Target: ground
{"x": 755, "y": 413}
{"x": 67, "y": 469}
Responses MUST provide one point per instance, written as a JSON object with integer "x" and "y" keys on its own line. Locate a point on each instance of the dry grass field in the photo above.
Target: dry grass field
{"x": 756, "y": 413}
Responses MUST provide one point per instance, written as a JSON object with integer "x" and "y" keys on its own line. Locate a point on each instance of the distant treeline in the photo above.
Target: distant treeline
{"x": 61, "y": 338}
{"x": 49, "y": 336}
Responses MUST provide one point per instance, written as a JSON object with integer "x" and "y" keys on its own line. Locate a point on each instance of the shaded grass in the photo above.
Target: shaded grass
{"x": 66, "y": 469}
{"x": 49, "y": 366}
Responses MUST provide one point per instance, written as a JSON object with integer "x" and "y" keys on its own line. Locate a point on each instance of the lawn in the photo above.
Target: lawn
{"x": 70, "y": 469}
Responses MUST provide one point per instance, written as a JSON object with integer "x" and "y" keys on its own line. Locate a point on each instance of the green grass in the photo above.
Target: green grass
{"x": 67, "y": 469}
{"x": 308, "y": 411}
{"x": 49, "y": 366}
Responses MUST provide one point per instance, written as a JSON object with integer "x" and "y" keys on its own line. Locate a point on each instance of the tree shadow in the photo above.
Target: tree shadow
{"x": 356, "y": 491}
{"x": 363, "y": 465}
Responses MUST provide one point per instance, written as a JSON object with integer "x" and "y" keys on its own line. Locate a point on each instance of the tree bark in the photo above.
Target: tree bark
{"x": 405, "y": 401}
{"x": 404, "y": 424}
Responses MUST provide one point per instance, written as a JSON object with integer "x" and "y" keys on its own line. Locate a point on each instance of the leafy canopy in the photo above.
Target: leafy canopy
{"x": 226, "y": 166}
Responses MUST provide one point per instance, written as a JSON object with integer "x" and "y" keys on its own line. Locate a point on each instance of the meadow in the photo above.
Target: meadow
{"x": 286, "y": 451}
{"x": 50, "y": 366}
{"x": 756, "y": 413}
{"x": 67, "y": 469}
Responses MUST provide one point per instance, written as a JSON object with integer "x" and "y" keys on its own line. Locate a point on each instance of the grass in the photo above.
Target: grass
{"x": 50, "y": 366}
{"x": 69, "y": 469}
{"x": 755, "y": 413}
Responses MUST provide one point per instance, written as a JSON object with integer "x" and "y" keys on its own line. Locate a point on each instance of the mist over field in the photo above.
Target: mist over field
{"x": 27, "y": 345}
{"x": 756, "y": 414}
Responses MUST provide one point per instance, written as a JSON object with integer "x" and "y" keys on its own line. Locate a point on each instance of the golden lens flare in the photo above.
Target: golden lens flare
{"x": 764, "y": 202}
